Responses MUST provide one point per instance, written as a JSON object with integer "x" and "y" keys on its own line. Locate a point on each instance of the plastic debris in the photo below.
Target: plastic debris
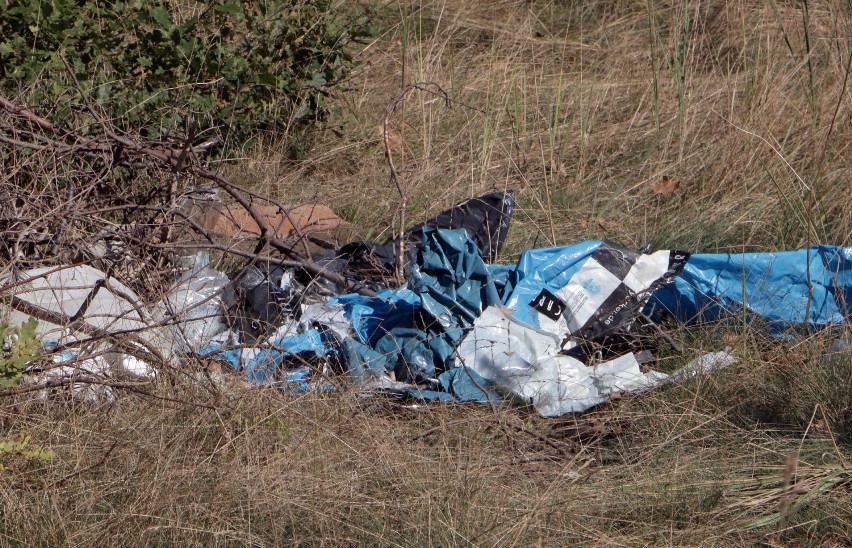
{"x": 463, "y": 329}
{"x": 268, "y": 297}
{"x": 100, "y": 368}
{"x": 93, "y": 302}
{"x": 560, "y": 330}
{"x": 528, "y": 363}
{"x": 782, "y": 290}
{"x": 81, "y": 293}
{"x": 413, "y": 340}
{"x": 198, "y": 303}
{"x": 485, "y": 220}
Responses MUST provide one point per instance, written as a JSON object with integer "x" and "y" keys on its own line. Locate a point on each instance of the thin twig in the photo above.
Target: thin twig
{"x": 102, "y": 460}
{"x": 173, "y": 159}
{"x": 394, "y": 173}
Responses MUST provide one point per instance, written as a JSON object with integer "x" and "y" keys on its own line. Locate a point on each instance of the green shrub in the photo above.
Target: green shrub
{"x": 18, "y": 347}
{"x": 158, "y": 67}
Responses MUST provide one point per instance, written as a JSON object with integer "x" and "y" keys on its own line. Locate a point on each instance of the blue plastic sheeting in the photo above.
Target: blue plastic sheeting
{"x": 454, "y": 283}
{"x": 373, "y": 317}
{"x": 773, "y": 287}
{"x": 465, "y": 384}
{"x": 263, "y": 365}
{"x": 458, "y": 384}
{"x": 539, "y": 269}
{"x": 413, "y": 332}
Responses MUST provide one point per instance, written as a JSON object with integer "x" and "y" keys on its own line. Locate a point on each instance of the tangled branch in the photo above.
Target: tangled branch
{"x": 24, "y": 129}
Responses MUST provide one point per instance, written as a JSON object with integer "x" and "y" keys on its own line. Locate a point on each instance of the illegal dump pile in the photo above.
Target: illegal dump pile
{"x": 292, "y": 297}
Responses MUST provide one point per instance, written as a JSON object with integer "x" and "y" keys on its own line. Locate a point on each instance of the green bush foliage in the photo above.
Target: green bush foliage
{"x": 18, "y": 448}
{"x": 160, "y": 67}
{"x": 18, "y": 347}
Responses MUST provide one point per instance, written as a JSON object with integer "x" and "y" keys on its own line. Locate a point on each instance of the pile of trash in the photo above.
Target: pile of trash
{"x": 563, "y": 329}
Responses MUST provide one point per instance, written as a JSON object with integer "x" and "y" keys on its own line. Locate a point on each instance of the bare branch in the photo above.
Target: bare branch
{"x": 429, "y": 87}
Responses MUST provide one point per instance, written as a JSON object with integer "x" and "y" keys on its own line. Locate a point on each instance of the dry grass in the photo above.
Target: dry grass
{"x": 580, "y": 107}
{"x": 696, "y": 463}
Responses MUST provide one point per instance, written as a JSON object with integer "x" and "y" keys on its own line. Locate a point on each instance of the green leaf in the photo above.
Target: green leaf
{"x": 17, "y": 445}
{"x": 317, "y": 81}
{"x": 103, "y": 94}
{"x": 28, "y": 329}
{"x": 267, "y": 79}
{"x": 762, "y": 521}
{"x": 303, "y": 111}
{"x": 231, "y": 7}
{"x": 14, "y": 445}
{"x": 162, "y": 17}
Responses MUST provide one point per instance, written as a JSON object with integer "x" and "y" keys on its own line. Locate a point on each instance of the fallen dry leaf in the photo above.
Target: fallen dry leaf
{"x": 820, "y": 427}
{"x": 666, "y": 185}
{"x": 395, "y": 140}
{"x": 730, "y": 338}
{"x": 558, "y": 168}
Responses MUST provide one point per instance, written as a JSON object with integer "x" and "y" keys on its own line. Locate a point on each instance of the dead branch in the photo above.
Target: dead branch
{"x": 134, "y": 387}
{"x": 125, "y": 152}
{"x": 429, "y": 87}
{"x": 127, "y": 342}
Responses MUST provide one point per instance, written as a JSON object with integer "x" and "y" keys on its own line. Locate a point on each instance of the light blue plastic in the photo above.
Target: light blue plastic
{"x": 784, "y": 290}
{"x": 539, "y": 269}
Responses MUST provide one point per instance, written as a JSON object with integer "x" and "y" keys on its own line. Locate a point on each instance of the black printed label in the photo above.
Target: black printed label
{"x": 548, "y": 304}
{"x": 677, "y": 260}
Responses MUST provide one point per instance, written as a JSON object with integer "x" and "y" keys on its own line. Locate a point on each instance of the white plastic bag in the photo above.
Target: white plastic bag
{"x": 525, "y": 362}
{"x": 197, "y": 304}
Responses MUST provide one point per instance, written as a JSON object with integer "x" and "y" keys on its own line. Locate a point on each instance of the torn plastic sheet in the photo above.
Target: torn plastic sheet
{"x": 415, "y": 330}
{"x": 198, "y": 301}
{"x": 408, "y": 340}
{"x": 81, "y": 292}
{"x": 485, "y": 219}
{"x": 85, "y": 294}
{"x": 782, "y": 289}
{"x": 70, "y": 366}
{"x": 262, "y": 364}
{"x": 407, "y": 335}
{"x": 525, "y": 362}
{"x": 457, "y": 384}
{"x": 432, "y": 339}
{"x": 589, "y": 290}
{"x": 437, "y": 327}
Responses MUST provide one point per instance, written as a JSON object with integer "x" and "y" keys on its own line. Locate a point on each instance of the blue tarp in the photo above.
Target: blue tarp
{"x": 780, "y": 289}
{"x": 413, "y": 332}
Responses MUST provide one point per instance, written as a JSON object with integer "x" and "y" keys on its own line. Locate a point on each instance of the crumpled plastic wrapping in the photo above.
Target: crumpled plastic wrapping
{"x": 526, "y": 363}
{"x": 197, "y": 304}
{"x": 778, "y": 291}
{"x": 462, "y": 329}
